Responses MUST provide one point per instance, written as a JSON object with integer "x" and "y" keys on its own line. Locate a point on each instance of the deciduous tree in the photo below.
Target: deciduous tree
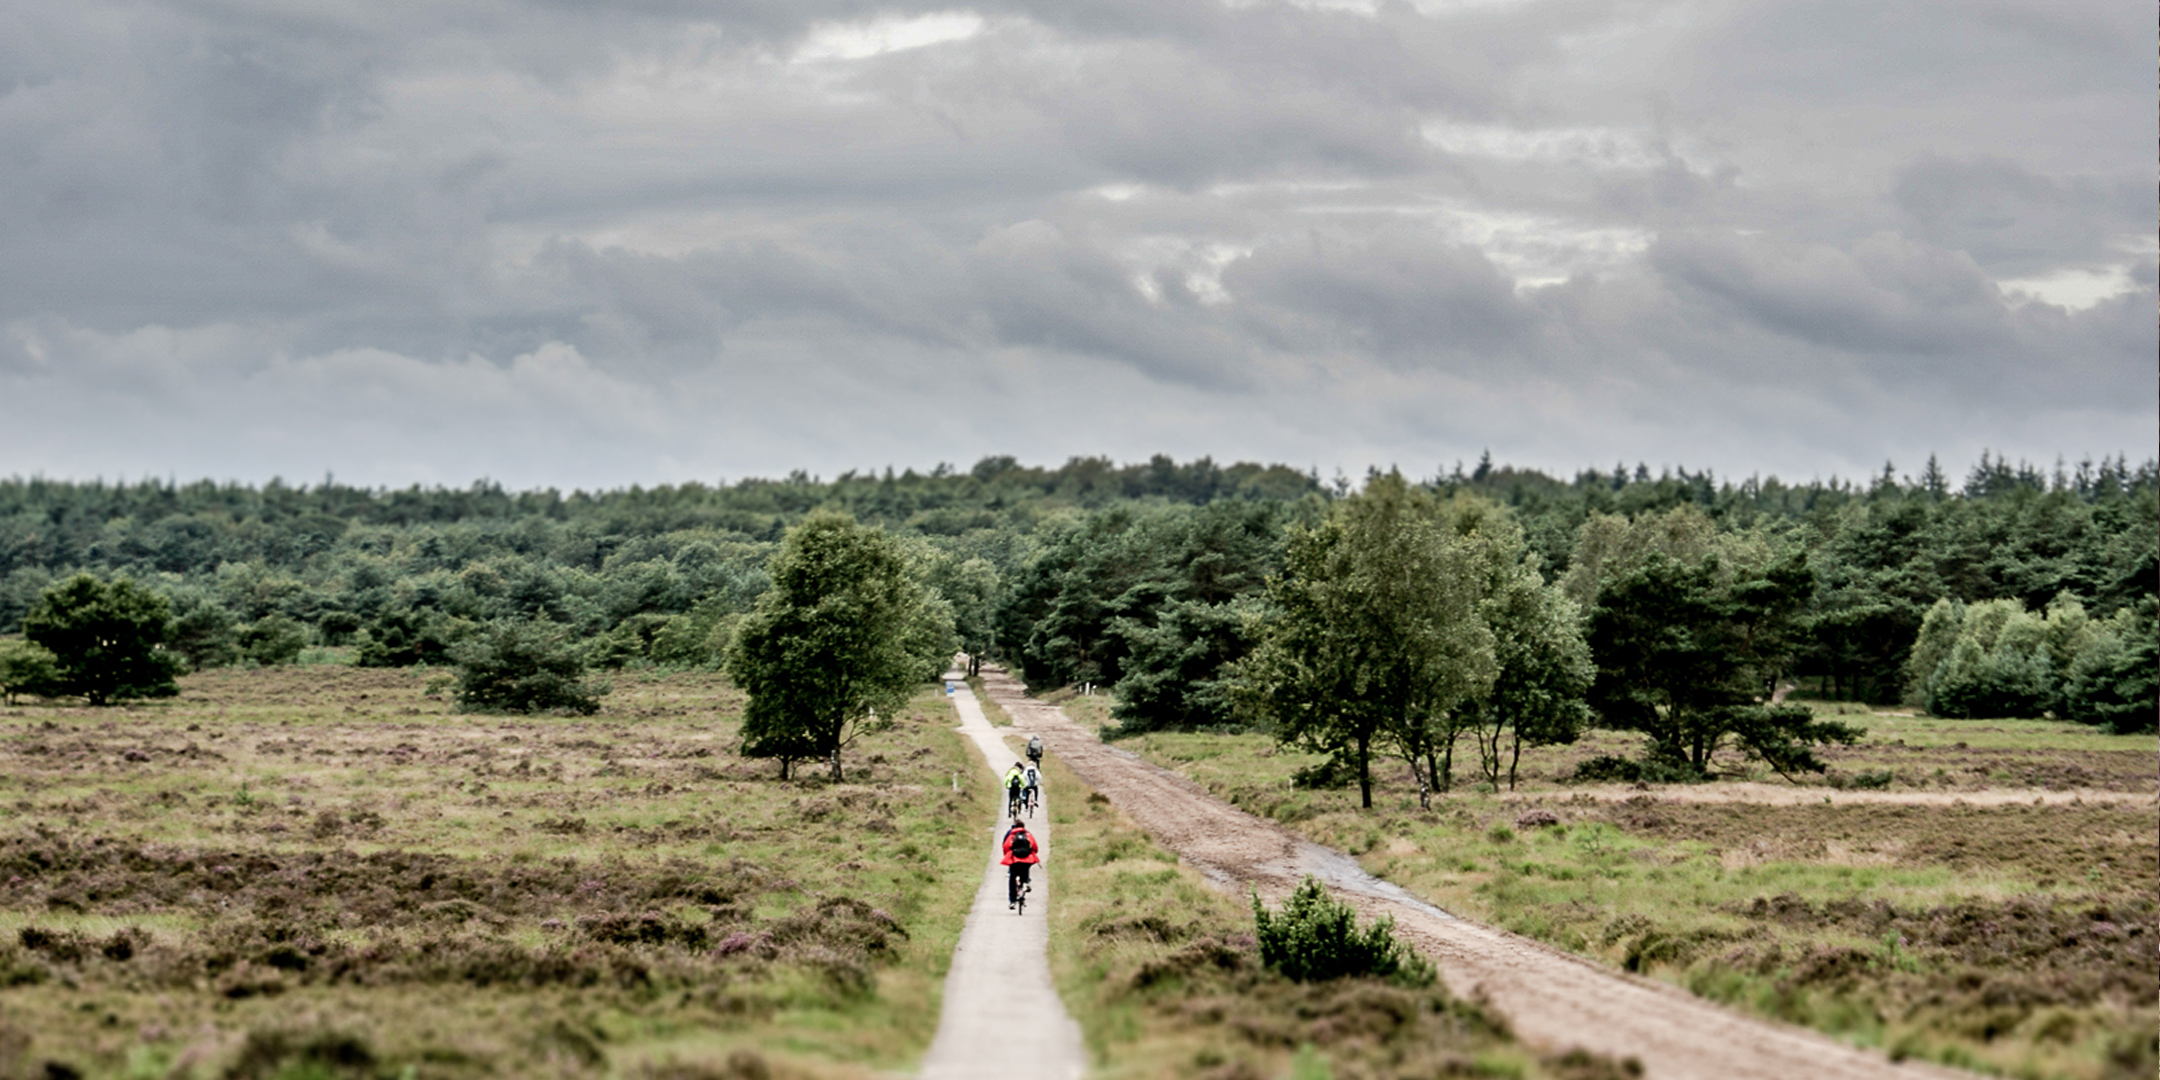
{"x": 1542, "y": 669}
{"x": 838, "y": 643}
{"x": 1374, "y": 630}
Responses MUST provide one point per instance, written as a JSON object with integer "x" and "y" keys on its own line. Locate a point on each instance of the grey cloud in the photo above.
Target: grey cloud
{"x": 2017, "y": 222}
{"x": 489, "y": 235}
{"x": 1884, "y": 294}
{"x": 1405, "y": 294}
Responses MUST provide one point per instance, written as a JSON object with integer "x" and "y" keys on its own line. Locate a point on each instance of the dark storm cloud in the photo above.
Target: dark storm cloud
{"x": 579, "y": 243}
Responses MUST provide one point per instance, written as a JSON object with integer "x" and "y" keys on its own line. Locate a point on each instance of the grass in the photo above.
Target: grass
{"x": 322, "y": 871}
{"x": 1977, "y": 929}
{"x": 1091, "y": 711}
{"x": 992, "y": 711}
{"x": 1162, "y": 972}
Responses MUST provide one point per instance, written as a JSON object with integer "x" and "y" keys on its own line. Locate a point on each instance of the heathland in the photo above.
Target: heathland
{"x": 1975, "y": 893}
{"x": 1874, "y": 757}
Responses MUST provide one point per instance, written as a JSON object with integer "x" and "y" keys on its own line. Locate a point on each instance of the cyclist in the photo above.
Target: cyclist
{"x": 1015, "y": 789}
{"x": 1033, "y": 793}
{"x": 1034, "y": 750}
{"x": 1021, "y": 852}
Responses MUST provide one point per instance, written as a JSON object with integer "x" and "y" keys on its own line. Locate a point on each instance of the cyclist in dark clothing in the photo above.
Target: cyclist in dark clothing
{"x": 1022, "y": 850}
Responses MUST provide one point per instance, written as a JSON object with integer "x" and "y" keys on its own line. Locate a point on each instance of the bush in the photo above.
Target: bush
{"x": 526, "y": 667}
{"x": 273, "y": 640}
{"x": 107, "y": 639}
{"x": 26, "y": 668}
{"x": 1328, "y": 775}
{"x": 203, "y": 633}
{"x": 408, "y": 637}
{"x": 2115, "y": 682}
{"x": 1315, "y": 938}
{"x": 1654, "y": 768}
{"x": 1606, "y": 769}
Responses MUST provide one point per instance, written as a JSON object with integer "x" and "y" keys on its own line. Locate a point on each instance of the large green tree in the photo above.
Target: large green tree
{"x": 1691, "y": 654}
{"x": 837, "y": 644}
{"x": 972, "y": 588}
{"x": 1542, "y": 669}
{"x": 1374, "y": 632}
{"x": 107, "y": 639}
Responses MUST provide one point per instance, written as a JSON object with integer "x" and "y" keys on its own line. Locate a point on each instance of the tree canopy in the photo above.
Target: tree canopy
{"x": 1373, "y": 630}
{"x": 838, "y": 643}
{"x": 1148, "y": 577}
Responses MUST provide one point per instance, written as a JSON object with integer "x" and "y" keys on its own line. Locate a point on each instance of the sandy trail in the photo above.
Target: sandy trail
{"x": 1553, "y": 1000}
{"x": 999, "y": 983}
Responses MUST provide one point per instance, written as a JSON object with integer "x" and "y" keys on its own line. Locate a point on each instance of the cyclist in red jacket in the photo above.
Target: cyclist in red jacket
{"x": 1022, "y": 850}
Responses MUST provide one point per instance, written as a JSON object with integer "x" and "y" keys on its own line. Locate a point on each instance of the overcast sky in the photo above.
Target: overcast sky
{"x": 589, "y": 244}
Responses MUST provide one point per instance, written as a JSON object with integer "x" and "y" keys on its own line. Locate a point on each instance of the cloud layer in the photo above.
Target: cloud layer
{"x": 562, "y": 244}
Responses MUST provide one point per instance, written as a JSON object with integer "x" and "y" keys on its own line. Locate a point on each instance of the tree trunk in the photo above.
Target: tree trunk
{"x": 1364, "y": 769}
{"x": 1447, "y": 763}
{"x": 836, "y": 765}
{"x": 1417, "y": 776}
{"x": 1514, "y": 761}
{"x": 784, "y": 763}
{"x": 1489, "y": 751}
{"x": 1432, "y": 766}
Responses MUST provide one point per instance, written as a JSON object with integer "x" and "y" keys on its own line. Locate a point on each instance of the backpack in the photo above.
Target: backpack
{"x": 1034, "y": 779}
{"x": 1022, "y": 845}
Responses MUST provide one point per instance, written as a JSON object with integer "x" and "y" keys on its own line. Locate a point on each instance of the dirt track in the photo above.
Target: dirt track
{"x": 1553, "y": 1000}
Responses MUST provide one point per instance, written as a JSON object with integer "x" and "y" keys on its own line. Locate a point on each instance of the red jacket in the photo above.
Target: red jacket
{"x": 1033, "y": 857}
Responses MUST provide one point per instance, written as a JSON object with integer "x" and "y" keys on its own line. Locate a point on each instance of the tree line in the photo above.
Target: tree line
{"x": 1676, "y": 600}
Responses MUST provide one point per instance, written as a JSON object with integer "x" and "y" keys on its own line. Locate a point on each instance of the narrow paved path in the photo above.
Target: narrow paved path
{"x": 1553, "y": 1000}
{"x": 1002, "y": 1017}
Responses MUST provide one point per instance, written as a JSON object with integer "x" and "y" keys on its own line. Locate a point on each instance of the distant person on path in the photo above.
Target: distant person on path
{"x": 1035, "y": 749}
{"x": 1021, "y": 852}
{"x": 1015, "y": 789}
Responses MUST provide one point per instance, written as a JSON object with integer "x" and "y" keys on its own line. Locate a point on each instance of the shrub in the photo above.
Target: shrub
{"x": 1315, "y": 937}
{"x": 526, "y": 667}
{"x": 272, "y": 640}
{"x": 107, "y": 638}
{"x": 2115, "y": 681}
{"x": 1606, "y": 769}
{"x": 1328, "y": 775}
{"x": 408, "y": 637}
{"x": 1654, "y": 768}
{"x": 26, "y": 668}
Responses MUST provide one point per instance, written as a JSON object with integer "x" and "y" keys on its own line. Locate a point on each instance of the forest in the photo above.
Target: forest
{"x": 2016, "y": 591}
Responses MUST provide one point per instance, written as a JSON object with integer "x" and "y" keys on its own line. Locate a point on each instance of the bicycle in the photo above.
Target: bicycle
{"x": 1032, "y": 799}
{"x": 1020, "y": 895}
{"x": 1015, "y": 801}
